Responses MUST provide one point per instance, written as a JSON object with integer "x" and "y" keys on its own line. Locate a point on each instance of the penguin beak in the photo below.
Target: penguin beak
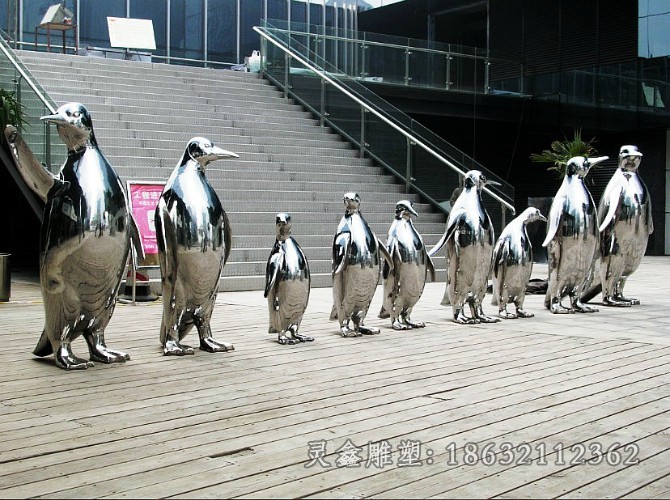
{"x": 542, "y": 218}
{"x": 412, "y": 211}
{"x": 591, "y": 162}
{"x": 220, "y": 154}
{"x": 493, "y": 183}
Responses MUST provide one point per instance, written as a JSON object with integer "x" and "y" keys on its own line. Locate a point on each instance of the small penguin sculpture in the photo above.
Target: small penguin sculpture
{"x": 626, "y": 223}
{"x": 356, "y": 263}
{"x": 287, "y": 284}
{"x": 194, "y": 241}
{"x": 572, "y": 239}
{"x": 513, "y": 264}
{"x": 404, "y": 284}
{"x": 469, "y": 239}
{"x": 86, "y": 235}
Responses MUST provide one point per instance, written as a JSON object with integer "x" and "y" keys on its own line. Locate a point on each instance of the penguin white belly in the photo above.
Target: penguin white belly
{"x": 575, "y": 260}
{"x": 294, "y": 296}
{"x": 470, "y": 258}
{"x": 198, "y": 275}
{"x": 360, "y": 283}
{"x": 630, "y": 243}
{"x": 412, "y": 278}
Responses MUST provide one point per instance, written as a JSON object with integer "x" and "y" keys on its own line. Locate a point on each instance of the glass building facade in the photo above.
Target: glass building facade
{"x": 216, "y": 31}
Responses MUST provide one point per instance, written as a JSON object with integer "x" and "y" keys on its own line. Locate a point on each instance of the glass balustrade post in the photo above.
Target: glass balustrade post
{"x": 487, "y": 70}
{"x": 407, "y": 77}
{"x": 287, "y": 71}
{"x": 322, "y": 114}
{"x": 364, "y": 111}
{"x": 447, "y": 82}
{"x": 408, "y": 171}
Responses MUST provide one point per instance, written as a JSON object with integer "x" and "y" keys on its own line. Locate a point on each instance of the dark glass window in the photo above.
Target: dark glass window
{"x": 252, "y": 12}
{"x": 277, "y": 9}
{"x": 222, "y": 30}
{"x": 156, "y": 10}
{"x": 187, "y": 29}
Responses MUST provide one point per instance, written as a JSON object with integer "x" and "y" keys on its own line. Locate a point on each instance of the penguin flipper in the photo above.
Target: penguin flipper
{"x": 650, "y": 219}
{"x": 227, "y": 237}
{"x": 612, "y": 203}
{"x": 451, "y": 226}
{"x": 37, "y": 178}
{"x": 385, "y": 255}
{"x": 500, "y": 256}
{"x": 341, "y": 245}
{"x": 272, "y": 271}
{"x": 43, "y": 347}
{"x": 555, "y": 215}
{"x": 136, "y": 241}
{"x": 430, "y": 266}
{"x": 167, "y": 242}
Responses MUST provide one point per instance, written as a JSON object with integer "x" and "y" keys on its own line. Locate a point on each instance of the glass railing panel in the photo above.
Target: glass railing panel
{"x": 307, "y": 85}
{"x": 383, "y": 64}
{"x": 427, "y": 69}
{"x": 343, "y": 113}
{"x": 386, "y": 145}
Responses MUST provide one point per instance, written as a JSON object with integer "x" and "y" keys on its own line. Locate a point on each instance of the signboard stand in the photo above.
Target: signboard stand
{"x": 143, "y": 197}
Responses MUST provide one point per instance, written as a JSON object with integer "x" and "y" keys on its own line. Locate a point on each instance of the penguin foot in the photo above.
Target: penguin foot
{"x": 174, "y": 348}
{"x": 398, "y": 325}
{"x": 345, "y": 331}
{"x": 368, "y": 330}
{"x": 66, "y": 359}
{"x": 100, "y": 352}
{"x": 507, "y": 315}
{"x": 415, "y": 324}
{"x": 208, "y": 344}
{"x": 523, "y": 314}
{"x": 462, "y": 319}
{"x": 302, "y": 338}
{"x": 614, "y": 302}
{"x": 557, "y": 308}
{"x": 633, "y": 302}
{"x": 383, "y": 313}
{"x": 487, "y": 319}
{"x": 284, "y": 340}
{"x": 583, "y": 308}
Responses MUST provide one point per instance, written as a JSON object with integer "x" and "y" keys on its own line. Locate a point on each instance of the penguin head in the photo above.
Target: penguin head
{"x": 404, "y": 209}
{"x": 283, "y": 226}
{"x": 629, "y": 158}
{"x": 476, "y": 179}
{"x": 532, "y": 214}
{"x": 202, "y": 151}
{"x": 580, "y": 165}
{"x": 74, "y": 125}
{"x": 351, "y": 202}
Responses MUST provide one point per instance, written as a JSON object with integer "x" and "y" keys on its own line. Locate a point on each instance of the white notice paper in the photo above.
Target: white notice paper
{"x": 131, "y": 33}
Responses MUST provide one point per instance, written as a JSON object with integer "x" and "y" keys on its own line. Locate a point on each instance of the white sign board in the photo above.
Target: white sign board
{"x": 131, "y": 33}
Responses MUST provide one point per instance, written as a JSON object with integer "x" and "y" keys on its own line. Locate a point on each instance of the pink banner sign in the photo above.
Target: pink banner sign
{"x": 144, "y": 198}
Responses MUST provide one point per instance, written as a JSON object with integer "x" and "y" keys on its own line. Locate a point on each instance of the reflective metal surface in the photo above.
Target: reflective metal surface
{"x": 356, "y": 262}
{"x": 572, "y": 239}
{"x": 404, "y": 284}
{"x": 626, "y": 223}
{"x": 287, "y": 284}
{"x": 194, "y": 241}
{"x": 85, "y": 240}
{"x": 469, "y": 239}
{"x": 513, "y": 264}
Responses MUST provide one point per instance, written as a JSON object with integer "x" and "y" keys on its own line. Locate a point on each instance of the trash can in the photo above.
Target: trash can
{"x": 5, "y": 278}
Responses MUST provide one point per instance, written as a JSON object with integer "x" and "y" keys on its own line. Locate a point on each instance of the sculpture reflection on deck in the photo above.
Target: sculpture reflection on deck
{"x": 572, "y": 239}
{"x": 194, "y": 241}
{"x": 356, "y": 262}
{"x": 404, "y": 284}
{"x": 626, "y": 222}
{"x": 513, "y": 265}
{"x": 85, "y": 239}
{"x": 469, "y": 239}
{"x": 287, "y": 284}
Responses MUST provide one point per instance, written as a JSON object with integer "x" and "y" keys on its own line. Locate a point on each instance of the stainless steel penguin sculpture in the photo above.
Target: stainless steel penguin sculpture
{"x": 469, "y": 239}
{"x": 356, "y": 262}
{"x": 513, "y": 264}
{"x": 85, "y": 239}
{"x": 287, "y": 284}
{"x": 404, "y": 284}
{"x": 572, "y": 239}
{"x": 194, "y": 241}
{"x": 626, "y": 223}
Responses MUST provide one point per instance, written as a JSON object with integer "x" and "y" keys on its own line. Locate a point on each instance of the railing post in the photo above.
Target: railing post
{"x": 408, "y": 171}
{"x": 503, "y": 208}
{"x": 287, "y": 70}
{"x": 448, "y": 81}
{"x": 407, "y": 77}
{"x": 322, "y": 114}
{"x": 487, "y": 69}
{"x": 364, "y": 145}
{"x": 264, "y": 52}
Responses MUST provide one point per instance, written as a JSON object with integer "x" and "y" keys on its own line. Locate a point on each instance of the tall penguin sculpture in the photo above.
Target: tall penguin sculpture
{"x": 572, "y": 239}
{"x": 469, "y": 239}
{"x": 404, "y": 284}
{"x": 194, "y": 241}
{"x": 625, "y": 219}
{"x": 85, "y": 239}
{"x": 356, "y": 257}
{"x": 287, "y": 284}
{"x": 513, "y": 264}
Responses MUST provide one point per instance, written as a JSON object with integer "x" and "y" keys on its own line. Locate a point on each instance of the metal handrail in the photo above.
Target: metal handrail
{"x": 409, "y": 136}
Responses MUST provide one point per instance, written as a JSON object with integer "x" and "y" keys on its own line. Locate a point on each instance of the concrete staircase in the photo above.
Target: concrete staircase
{"x": 144, "y": 114}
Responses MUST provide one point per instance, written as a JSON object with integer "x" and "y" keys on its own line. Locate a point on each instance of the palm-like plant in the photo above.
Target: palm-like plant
{"x": 562, "y": 151}
{"x": 11, "y": 111}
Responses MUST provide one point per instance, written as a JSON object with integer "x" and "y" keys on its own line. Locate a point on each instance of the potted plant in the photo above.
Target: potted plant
{"x": 562, "y": 151}
{"x": 11, "y": 110}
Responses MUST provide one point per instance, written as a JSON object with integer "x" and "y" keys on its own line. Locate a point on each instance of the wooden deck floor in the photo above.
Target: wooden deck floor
{"x": 501, "y": 410}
